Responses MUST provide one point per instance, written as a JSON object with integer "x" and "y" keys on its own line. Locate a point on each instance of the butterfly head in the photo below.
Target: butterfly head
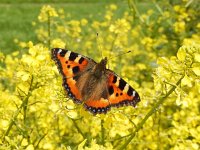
{"x": 103, "y": 62}
{"x": 100, "y": 68}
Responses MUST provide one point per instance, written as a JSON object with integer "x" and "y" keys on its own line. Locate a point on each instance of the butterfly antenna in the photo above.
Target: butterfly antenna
{"x": 99, "y": 46}
{"x": 120, "y": 54}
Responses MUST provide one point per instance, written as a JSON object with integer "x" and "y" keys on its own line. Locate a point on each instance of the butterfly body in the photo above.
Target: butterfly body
{"x": 88, "y": 82}
{"x": 93, "y": 81}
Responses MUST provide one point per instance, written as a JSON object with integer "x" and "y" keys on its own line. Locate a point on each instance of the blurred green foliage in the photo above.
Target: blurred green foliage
{"x": 57, "y": 1}
{"x": 16, "y": 19}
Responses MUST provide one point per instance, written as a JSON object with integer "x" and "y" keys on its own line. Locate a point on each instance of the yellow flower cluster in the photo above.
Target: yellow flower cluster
{"x": 120, "y": 26}
{"x": 46, "y": 12}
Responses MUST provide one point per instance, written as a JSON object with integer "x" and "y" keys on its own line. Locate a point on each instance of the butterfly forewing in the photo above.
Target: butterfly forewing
{"x": 121, "y": 93}
{"x": 71, "y": 65}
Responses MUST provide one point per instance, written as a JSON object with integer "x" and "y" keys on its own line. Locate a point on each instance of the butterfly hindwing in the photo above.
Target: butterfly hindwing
{"x": 71, "y": 65}
{"x": 97, "y": 106}
{"x": 120, "y": 93}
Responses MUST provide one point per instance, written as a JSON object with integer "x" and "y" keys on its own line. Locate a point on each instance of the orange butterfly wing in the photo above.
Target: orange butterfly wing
{"x": 70, "y": 65}
{"x": 97, "y": 106}
{"x": 121, "y": 93}
{"x": 116, "y": 91}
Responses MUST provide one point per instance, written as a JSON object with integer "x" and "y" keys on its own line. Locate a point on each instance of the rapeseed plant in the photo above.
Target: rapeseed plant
{"x": 163, "y": 66}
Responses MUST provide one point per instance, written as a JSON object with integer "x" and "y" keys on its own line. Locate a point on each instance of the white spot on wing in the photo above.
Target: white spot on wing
{"x": 59, "y": 51}
{"x": 134, "y": 93}
{"x": 126, "y": 88}
{"x": 117, "y": 83}
{"x": 67, "y": 55}
{"x": 77, "y": 58}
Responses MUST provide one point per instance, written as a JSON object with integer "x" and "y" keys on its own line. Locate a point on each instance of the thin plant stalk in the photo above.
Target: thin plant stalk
{"x": 49, "y": 31}
{"x": 149, "y": 114}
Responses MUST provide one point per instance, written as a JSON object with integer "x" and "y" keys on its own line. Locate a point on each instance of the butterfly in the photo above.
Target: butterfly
{"x": 92, "y": 84}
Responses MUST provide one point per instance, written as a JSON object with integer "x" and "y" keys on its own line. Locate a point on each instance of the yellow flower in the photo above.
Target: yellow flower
{"x": 179, "y": 27}
{"x": 42, "y": 34}
{"x": 61, "y": 11}
{"x": 24, "y": 142}
{"x": 150, "y": 12}
{"x": 120, "y": 26}
{"x": 22, "y": 44}
{"x": 15, "y": 53}
{"x": 60, "y": 29}
{"x": 23, "y": 75}
{"x": 58, "y": 43}
{"x": 30, "y": 44}
{"x": 198, "y": 25}
{"x": 48, "y": 145}
{"x": 46, "y": 12}
{"x": 74, "y": 23}
{"x": 96, "y": 25}
{"x": 166, "y": 14}
{"x": 148, "y": 42}
{"x": 4, "y": 124}
{"x": 108, "y": 17}
{"x": 134, "y": 33}
{"x": 144, "y": 16}
{"x": 113, "y": 7}
{"x": 84, "y": 22}
{"x": 74, "y": 28}
{"x": 33, "y": 23}
{"x": 177, "y": 8}
{"x": 30, "y": 147}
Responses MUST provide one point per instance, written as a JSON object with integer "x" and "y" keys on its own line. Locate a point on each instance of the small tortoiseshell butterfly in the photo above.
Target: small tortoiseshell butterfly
{"x": 88, "y": 82}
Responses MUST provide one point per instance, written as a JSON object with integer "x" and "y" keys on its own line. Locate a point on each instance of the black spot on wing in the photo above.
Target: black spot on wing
{"x": 130, "y": 91}
{"x": 122, "y": 84}
{"x": 63, "y": 52}
{"x": 111, "y": 90}
{"x": 137, "y": 97}
{"x": 73, "y": 56}
{"x": 81, "y": 60}
{"x": 114, "y": 79}
{"x": 98, "y": 110}
{"x": 75, "y": 69}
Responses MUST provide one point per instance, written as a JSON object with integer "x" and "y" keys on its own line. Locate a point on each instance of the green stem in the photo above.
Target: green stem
{"x": 37, "y": 145}
{"x": 149, "y": 114}
{"x": 134, "y": 9}
{"x": 49, "y": 31}
{"x": 77, "y": 127}
{"x": 12, "y": 121}
{"x": 158, "y": 116}
{"x": 25, "y": 106}
{"x": 161, "y": 11}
